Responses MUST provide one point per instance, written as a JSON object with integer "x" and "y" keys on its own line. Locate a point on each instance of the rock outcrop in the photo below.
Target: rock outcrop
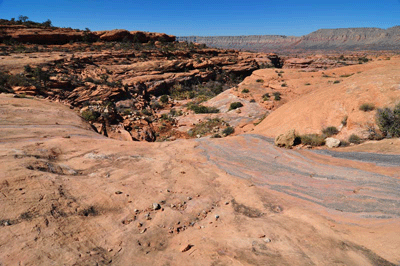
{"x": 54, "y": 35}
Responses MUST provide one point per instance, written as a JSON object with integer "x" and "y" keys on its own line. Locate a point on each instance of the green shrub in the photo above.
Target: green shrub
{"x": 266, "y": 97}
{"x": 164, "y": 98}
{"x": 354, "y": 139}
{"x": 307, "y": 84}
{"x": 245, "y": 91}
{"x": 277, "y": 96}
{"x": 90, "y": 115}
{"x": 235, "y": 105}
{"x": 283, "y": 85}
{"x": 312, "y": 139}
{"x": 252, "y": 101}
{"x": 146, "y": 112}
{"x": 388, "y": 121}
{"x": 330, "y": 131}
{"x": 227, "y": 131}
{"x": 201, "y": 109}
{"x": 260, "y": 80}
{"x": 367, "y": 107}
{"x": 205, "y": 127}
{"x": 336, "y": 82}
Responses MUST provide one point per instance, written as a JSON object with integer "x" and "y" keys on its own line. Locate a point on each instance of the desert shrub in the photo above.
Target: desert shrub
{"x": 366, "y": 107}
{"x": 147, "y": 112}
{"x": 266, "y": 97}
{"x": 330, "y": 131}
{"x": 362, "y": 60}
{"x": 260, "y": 80}
{"x": 346, "y": 75}
{"x": 354, "y": 139}
{"x": 155, "y": 105}
{"x": 90, "y": 115}
{"x": 277, "y": 96}
{"x": 252, "y": 101}
{"x": 173, "y": 112}
{"x": 336, "y": 82}
{"x": 205, "y": 127}
{"x": 312, "y": 139}
{"x": 227, "y": 131}
{"x": 245, "y": 91}
{"x": 235, "y": 105}
{"x": 388, "y": 121}
{"x": 307, "y": 84}
{"x": 344, "y": 143}
{"x": 201, "y": 109}
{"x": 283, "y": 85}
{"x": 164, "y": 98}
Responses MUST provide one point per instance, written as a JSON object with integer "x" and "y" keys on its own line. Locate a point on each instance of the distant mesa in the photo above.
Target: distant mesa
{"x": 349, "y": 39}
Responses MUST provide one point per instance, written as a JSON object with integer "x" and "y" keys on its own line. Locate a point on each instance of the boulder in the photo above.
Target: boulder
{"x": 332, "y": 142}
{"x": 286, "y": 140}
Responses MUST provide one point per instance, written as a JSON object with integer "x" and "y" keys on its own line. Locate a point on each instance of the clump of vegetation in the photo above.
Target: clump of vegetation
{"x": 235, "y": 105}
{"x": 90, "y": 115}
{"x": 307, "y": 84}
{"x": 164, "y": 99}
{"x": 260, "y": 80}
{"x": 228, "y": 131}
{"x": 245, "y": 91}
{"x": 330, "y": 131}
{"x": 266, "y": 97}
{"x": 173, "y": 112}
{"x": 277, "y": 96}
{"x": 312, "y": 140}
{"x": 261, "y": 119}
{"x": 205, "y": 127}
{"x": 367, "y": 107}
{"x": 388, "y": 121}
{"x": 201, "y": 109}
{"x": 283, "y": 85}
{"x": 346, "y": 75}
{"x": 362, "y": 60}
{"x": 354, "y": 139}
{"x": 336, "y": 82}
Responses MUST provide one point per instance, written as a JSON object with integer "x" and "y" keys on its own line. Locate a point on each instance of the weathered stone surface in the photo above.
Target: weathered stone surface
{"x": 332, "y": 142}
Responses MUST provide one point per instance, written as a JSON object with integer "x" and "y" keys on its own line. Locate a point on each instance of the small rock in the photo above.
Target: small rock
{"x": 156, "y": 206}
{"x": 332, "y": 142}
{"x": 189, "y": 198}
{"x": 216, "y": 217}
{"x": 267, "y": 240}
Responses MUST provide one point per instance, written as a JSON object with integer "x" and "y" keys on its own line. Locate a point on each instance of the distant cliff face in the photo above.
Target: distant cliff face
{"x": 325, "y": 39}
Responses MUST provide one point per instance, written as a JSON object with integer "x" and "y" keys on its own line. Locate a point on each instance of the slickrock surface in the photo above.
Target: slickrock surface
{"x": 71, "y": 196}
{"x": 316, "y": 100}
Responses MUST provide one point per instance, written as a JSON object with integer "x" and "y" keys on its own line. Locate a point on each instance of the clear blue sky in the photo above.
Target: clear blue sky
{"x": 208, "y": 17}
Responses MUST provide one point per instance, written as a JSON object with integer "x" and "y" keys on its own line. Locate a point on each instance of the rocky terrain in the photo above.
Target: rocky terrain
{"x": 116, "y": 150}
{"x": 347, "y": 39}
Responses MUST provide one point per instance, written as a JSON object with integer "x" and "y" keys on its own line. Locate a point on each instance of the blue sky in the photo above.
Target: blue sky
{"x": 208, "y": 17}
